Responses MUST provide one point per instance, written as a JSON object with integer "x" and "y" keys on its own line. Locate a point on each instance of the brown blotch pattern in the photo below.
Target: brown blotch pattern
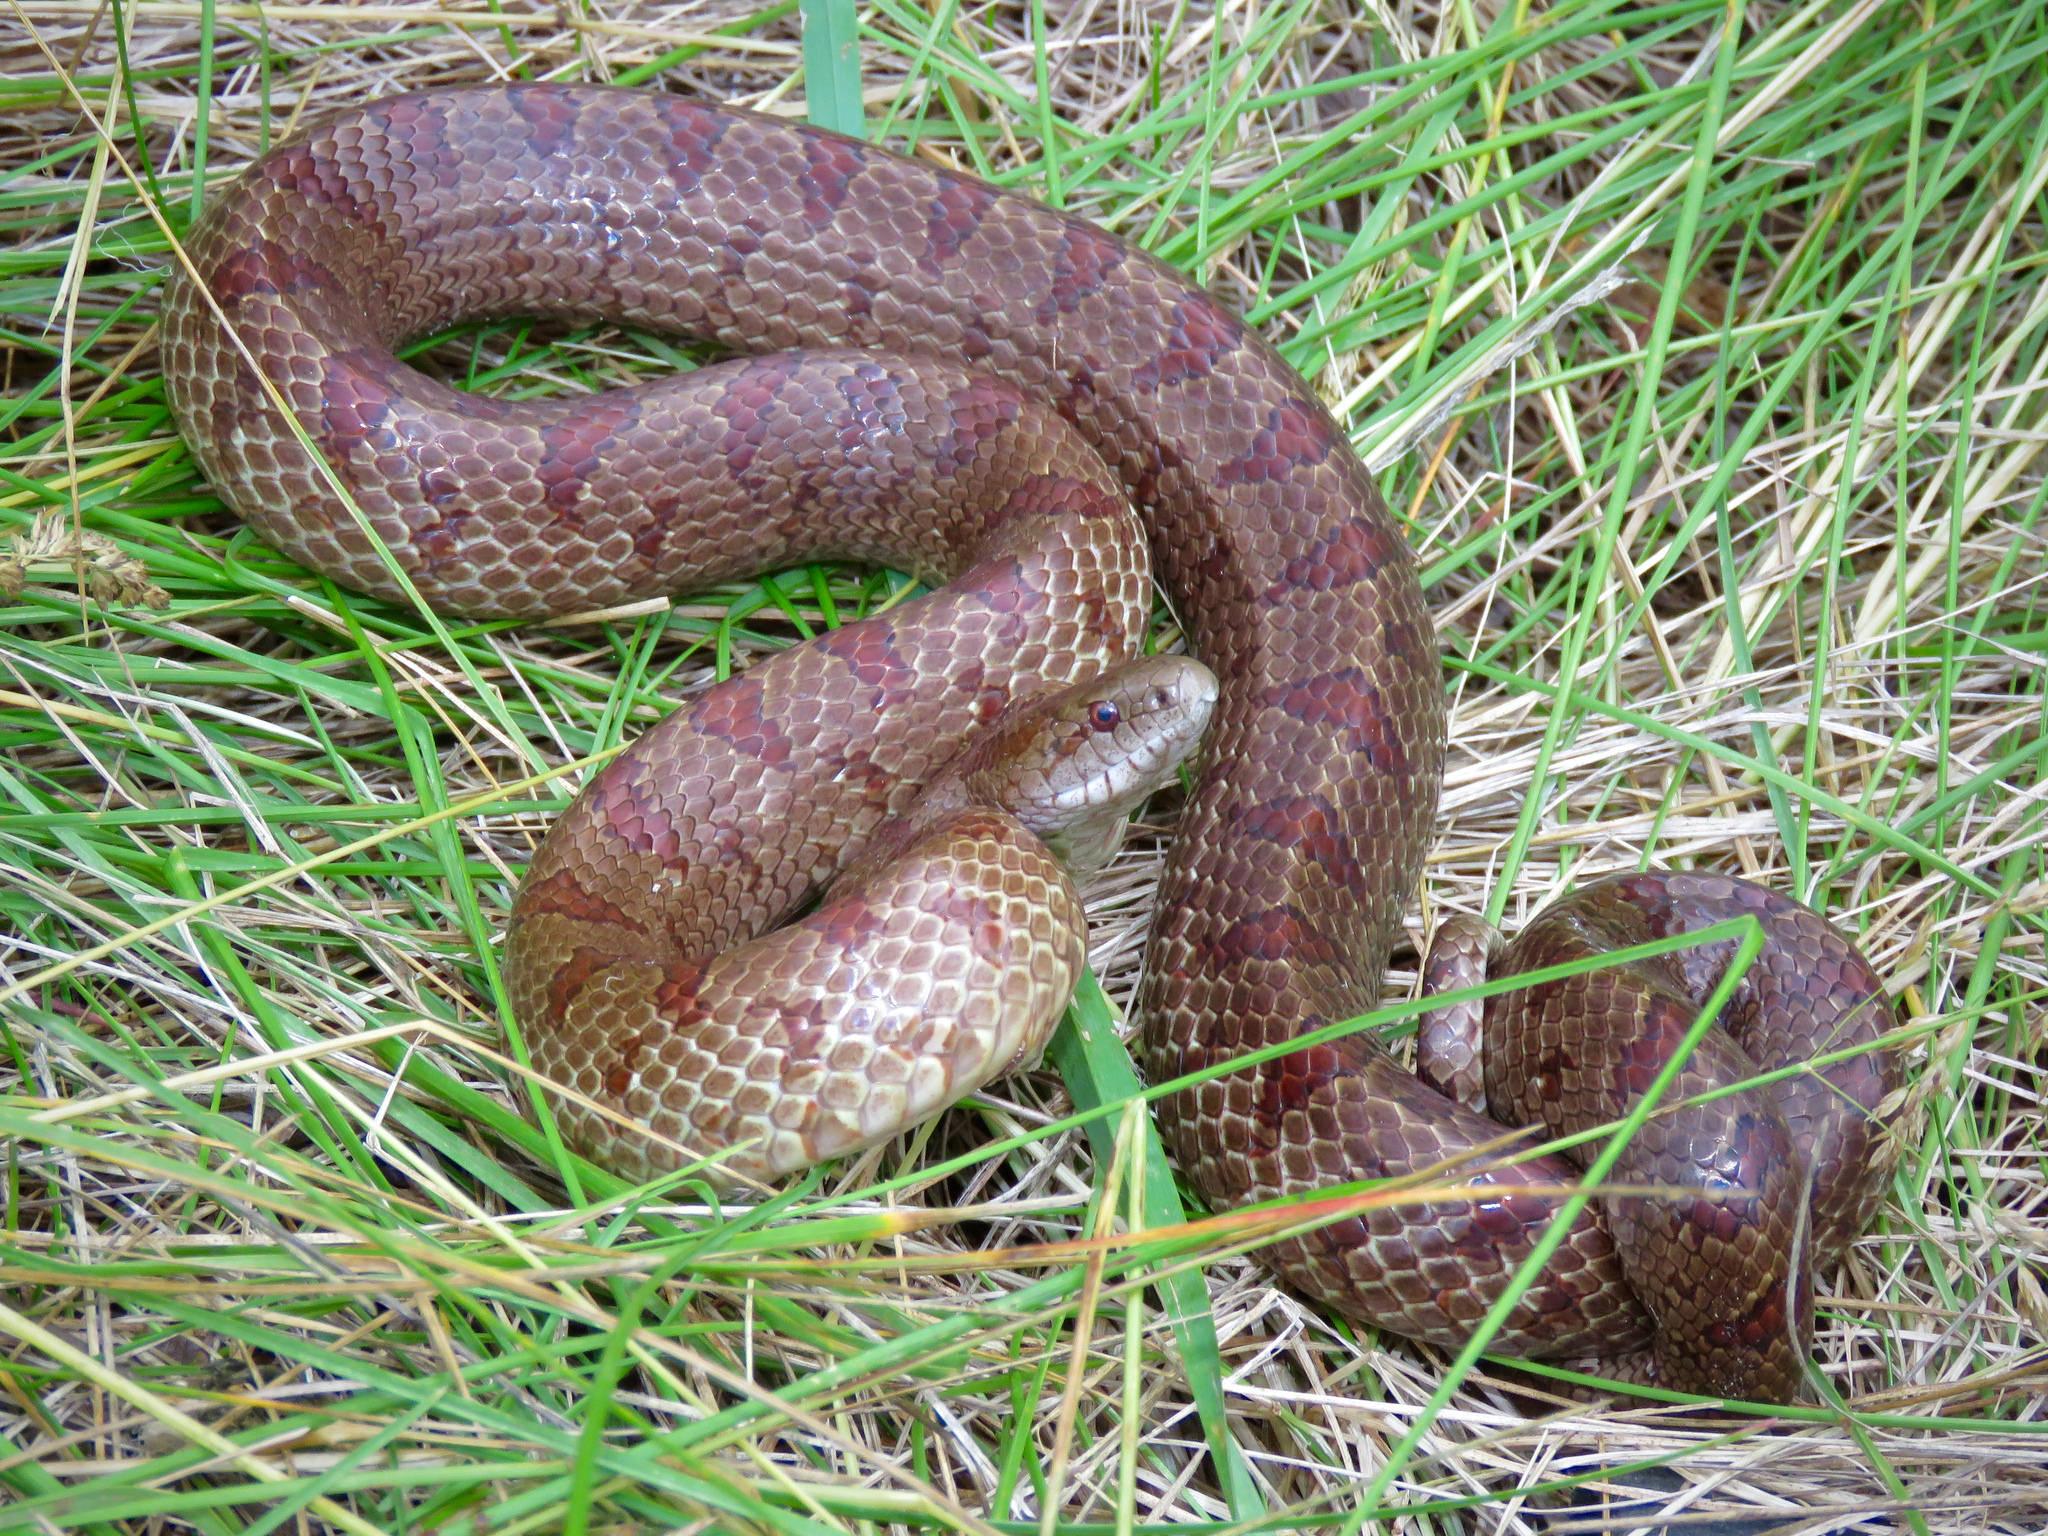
{"x": 1352, "y": 708}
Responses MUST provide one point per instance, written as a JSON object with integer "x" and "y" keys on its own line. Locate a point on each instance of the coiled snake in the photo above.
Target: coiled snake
{"x": 989, "y": 386}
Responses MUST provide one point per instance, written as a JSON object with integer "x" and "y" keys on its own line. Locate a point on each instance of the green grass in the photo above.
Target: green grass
{"x": 1702, "y": 348}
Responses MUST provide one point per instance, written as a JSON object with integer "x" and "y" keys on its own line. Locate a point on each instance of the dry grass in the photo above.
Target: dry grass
{"x": 281, "y": 1248}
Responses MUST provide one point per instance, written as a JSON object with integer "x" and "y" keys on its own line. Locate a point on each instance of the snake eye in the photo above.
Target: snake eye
{"x": 1104, "y": 715}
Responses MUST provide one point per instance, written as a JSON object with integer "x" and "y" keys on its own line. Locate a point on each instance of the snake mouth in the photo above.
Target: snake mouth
{"x": 1180, "y": 700}
{"x": 1141, "y": 722}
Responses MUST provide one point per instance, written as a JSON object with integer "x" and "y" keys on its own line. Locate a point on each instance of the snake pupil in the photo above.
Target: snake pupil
{"x": 1106, "y": 715}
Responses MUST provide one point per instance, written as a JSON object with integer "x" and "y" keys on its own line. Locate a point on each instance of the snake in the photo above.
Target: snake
{"x": 1028, "y": 414}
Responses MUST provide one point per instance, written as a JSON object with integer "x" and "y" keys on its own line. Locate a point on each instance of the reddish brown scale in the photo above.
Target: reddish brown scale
{"x": 1294, "y": 1090}
{"x": 571, "y": 975}
{"x": 1296, "y": 436}
{"x": 1076, "y": 368}
{"x": 1308, "y": 823}
{"x": 975, "y": 416}
{"x": 744, "y": 714}
{"x": 636, "y": 817}
{"x": 693, "y": 133}
{"x": 1281, "y": 934}
{"x": 872, "y": 660}
{"x": 572, "y": 453}
{"x": 1346, "y": 703}
{"x": 1355, "y": 553}
{"x": 831, "y": 165}
{"x": 550, "y": 122}
{"x": 1198, "y": 337}
{"x": 1082, "y": 267}
{"x": 559, "y": 895}
{"x": 956, "y": 210}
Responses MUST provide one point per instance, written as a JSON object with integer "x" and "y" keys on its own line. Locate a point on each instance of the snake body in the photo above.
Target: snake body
{"x": 984, "y": 387}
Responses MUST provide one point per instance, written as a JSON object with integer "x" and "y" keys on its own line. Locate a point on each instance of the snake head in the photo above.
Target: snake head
{"x": 1073, "y": 765}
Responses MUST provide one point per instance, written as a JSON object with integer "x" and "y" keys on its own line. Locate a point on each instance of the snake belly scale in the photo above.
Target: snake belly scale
{"x": 976, "y": 388}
